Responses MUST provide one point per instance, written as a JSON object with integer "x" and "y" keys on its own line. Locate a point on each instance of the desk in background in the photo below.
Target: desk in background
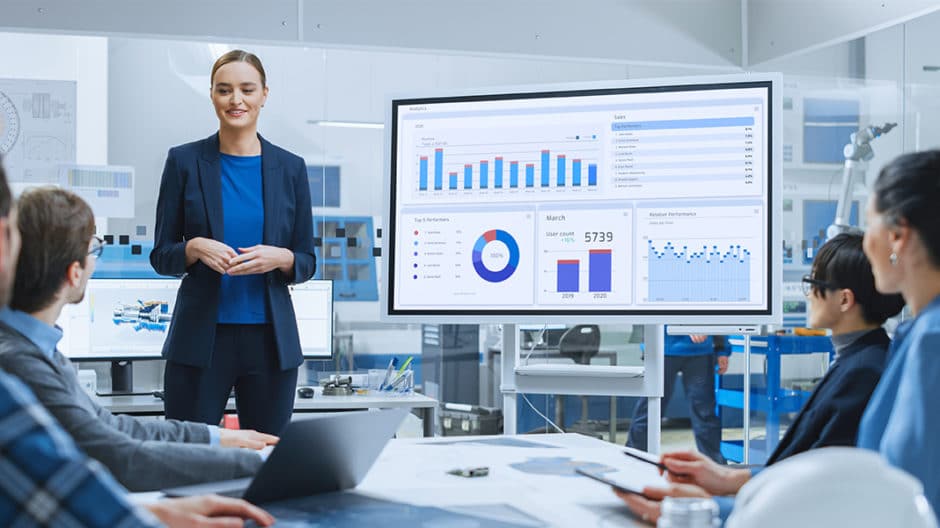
{"x": 424, "y": 407}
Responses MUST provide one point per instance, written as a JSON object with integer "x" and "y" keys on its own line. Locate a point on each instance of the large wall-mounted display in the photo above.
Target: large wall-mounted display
{"x": 642, "y": 200}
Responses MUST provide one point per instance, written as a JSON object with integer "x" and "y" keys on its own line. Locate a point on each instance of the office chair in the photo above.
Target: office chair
{"x": 581, "y": 343}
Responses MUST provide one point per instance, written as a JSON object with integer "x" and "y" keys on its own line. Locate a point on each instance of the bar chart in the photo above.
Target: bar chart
{"x": 490, "y": 173}
{"x": 584, "y": 256}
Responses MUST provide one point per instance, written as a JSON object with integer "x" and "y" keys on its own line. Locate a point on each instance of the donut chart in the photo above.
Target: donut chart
{"x": 499, "y": 275}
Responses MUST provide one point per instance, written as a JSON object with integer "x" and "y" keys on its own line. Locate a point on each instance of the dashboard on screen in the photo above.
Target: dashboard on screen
{"x": 129, "y": 319}
{"x": 642, "y": 200}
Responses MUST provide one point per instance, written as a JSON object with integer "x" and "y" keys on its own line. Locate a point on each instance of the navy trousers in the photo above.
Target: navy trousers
{"x": 244, "y": 357}
{"x": 698, "y": 379}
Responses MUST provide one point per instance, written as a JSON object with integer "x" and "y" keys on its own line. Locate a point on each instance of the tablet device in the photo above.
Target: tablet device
{"x": 606, "y": 479}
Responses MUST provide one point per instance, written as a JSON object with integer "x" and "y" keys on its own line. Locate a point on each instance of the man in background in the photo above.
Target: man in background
{"x": 696, "y": 357}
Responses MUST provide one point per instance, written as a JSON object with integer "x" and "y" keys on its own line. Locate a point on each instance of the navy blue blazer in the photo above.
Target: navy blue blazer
{"x": 190, "y": 206}
{"x": 833, "y": 412}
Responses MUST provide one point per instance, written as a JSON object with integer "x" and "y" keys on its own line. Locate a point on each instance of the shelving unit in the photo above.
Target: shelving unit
{"x": 772, "y": 400}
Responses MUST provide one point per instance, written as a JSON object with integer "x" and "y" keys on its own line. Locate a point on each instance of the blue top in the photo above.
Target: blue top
{"x": 243, "y": 298}
{"x": 45, "y": 480}
{"x": 901, "y": 420}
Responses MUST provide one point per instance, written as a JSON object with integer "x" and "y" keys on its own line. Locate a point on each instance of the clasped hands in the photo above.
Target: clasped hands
{"x": 246, "y": 261}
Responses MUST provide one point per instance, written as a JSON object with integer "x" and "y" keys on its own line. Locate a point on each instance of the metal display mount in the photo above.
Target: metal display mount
{"x": 645, "y": 381}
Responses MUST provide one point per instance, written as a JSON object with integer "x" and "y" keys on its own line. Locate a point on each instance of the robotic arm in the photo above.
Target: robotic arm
{"x": 857, "y": 153}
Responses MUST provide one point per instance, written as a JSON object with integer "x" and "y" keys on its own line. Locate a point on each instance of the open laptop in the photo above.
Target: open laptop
{"x": 328, "y": 452}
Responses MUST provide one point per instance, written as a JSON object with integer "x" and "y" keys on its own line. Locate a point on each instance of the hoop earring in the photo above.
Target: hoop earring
{"x": 893, "y": 259}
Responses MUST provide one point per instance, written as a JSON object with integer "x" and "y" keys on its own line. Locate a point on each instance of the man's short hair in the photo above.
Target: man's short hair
{"x": 56, "y": 227}
{"x": 842, "y": 262}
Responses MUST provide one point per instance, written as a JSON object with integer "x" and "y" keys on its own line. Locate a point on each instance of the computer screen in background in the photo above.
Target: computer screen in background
{"x": 641, "y": 200}
{"x": 129, "y": 318}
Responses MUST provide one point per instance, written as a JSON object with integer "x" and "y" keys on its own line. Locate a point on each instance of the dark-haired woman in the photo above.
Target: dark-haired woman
{"x": 233, "y": 219}
{"x": 902, "y": 242}
{"x": 842, "y": 297}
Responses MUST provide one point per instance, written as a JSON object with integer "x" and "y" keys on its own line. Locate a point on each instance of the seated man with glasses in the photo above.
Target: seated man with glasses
{"x": 842, "y": 297}
{"x": 57, "y": 257}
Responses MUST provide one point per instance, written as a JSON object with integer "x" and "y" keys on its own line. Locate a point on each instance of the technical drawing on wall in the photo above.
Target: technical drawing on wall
{"x": 37, "y": 128}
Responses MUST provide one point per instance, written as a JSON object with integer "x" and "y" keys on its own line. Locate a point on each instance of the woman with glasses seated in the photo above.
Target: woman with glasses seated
{"x": 842, "y": 298}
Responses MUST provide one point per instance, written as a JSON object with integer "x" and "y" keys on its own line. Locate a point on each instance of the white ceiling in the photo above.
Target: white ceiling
{"x": 706, "y": 33}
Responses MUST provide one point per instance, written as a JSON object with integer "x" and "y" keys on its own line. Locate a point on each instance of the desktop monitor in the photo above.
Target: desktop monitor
{"x": 642, "y": 201}
{"x": 127, "y": 319}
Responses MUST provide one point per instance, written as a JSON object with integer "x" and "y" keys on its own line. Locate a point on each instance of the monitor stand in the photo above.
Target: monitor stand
{"x": 122, "y": 380}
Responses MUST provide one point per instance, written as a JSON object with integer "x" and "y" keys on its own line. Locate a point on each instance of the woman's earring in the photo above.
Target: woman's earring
{"x": 893, "y": 259}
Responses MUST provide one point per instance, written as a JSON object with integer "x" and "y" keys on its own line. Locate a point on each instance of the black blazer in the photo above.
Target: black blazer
{"x": 833, "y": 412}
{"x": 190, "y": 206}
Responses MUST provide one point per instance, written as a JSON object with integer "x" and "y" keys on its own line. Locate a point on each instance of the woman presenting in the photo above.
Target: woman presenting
{"x": 234, "y": 221}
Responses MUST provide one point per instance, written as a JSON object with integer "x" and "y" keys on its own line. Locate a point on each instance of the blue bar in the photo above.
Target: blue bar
{"x": 498, "y": 173}
{"x": 453, "y": 180}
{"x": 687, "y": 138}
{"x": 513, "y": 174}
{"x": 599, "y": 270}
{"x": 423, "y": 173}
{"x": 468, "y": 176}
{"x": 484, "y": 174}
{"x": 545, "y": 163}
{"x": 568, "y": 271}
{"x": 438, "y": 168}
{"x": 529, "y": 175}
{"x": 592, "y": 174}
{"x": 711, "y": 122}
{"x": 576, "y": 173}
{"x": 560, "y": 172}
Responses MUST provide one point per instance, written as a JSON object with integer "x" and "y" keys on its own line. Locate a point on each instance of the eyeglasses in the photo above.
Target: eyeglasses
{"x": 810, "y": 284}
{"x": 97, "y": 247}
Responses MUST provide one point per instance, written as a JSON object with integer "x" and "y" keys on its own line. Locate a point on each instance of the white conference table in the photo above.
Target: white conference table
{"x": 424, "y": 406}
{"x": 414, "y": 471}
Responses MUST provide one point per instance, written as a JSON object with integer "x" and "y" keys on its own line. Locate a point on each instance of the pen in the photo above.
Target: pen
{"x": 388, "y": 372}
{"x": 405, "y": 365}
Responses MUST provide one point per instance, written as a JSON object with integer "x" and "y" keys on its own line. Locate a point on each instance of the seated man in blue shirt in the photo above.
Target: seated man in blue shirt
{"x": 46, "y": 481}
{"x": 842, "y": 298}
{"x": 57, "y": 257}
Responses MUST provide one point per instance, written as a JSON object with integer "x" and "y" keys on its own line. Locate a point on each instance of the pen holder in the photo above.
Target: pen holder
{"x": 375, "y": 379}
{"x": 404, "y": 383}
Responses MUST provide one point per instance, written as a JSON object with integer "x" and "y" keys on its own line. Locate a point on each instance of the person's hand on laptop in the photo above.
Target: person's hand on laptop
{"x": 245, "y": 438}
{"x": 208, "y": 511}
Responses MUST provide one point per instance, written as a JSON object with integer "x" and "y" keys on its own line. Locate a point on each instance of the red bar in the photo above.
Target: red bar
{"x": 571, "y": 261}
{"x": 600, "y": 251}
